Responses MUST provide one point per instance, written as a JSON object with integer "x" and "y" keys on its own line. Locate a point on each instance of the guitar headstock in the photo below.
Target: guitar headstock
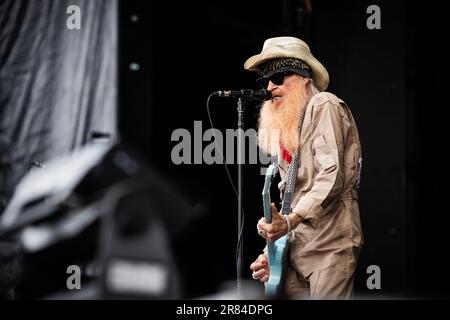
{"x": 270, "y": 173}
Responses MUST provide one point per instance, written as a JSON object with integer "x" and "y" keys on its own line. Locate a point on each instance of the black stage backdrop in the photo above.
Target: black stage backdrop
{"x": 172, "y": 55}
{"x": 189, "y": 50}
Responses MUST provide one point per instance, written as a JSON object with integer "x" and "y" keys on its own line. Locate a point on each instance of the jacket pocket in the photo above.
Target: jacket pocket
{"x": 323, "y": 155}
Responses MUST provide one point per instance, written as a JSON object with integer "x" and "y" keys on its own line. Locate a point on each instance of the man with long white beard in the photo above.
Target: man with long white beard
{"x": 323, "y": 226}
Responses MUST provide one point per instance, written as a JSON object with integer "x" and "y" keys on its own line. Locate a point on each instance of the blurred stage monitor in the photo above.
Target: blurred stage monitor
{"x": 104, "y": 212}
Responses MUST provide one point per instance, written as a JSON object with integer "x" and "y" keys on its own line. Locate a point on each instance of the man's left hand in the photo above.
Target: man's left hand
{"x": 276, "y": 229}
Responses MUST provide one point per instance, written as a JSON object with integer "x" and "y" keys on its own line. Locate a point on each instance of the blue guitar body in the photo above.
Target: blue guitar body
{"x": 277, "y": 250}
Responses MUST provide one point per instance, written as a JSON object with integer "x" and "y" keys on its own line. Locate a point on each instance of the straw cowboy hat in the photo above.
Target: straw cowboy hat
{"x": 290, "y": 47}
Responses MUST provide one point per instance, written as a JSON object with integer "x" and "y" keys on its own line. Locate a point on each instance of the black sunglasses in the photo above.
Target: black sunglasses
{"x": 276, "y": 78}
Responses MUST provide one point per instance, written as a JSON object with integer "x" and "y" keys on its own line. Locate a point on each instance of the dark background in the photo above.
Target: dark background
{"x": 391, "y": 79}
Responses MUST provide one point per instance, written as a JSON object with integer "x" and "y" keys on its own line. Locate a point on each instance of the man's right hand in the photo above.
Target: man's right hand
{"x": 260, "y": 268}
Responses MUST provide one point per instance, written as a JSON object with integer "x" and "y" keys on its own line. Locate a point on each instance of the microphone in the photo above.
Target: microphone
{"x": 246, "y": 93}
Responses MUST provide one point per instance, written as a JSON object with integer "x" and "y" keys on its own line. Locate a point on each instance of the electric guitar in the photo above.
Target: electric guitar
{"x": 278, "y": 249}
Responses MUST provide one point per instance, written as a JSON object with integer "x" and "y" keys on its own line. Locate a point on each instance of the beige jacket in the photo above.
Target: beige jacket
{"x": 326, "y": 189}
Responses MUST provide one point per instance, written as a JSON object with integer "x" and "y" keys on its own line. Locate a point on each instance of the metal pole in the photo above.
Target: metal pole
{"x": 240, "y": 109}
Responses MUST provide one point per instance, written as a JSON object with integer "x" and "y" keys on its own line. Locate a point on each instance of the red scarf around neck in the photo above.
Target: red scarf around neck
{"x": 285, "y": 153}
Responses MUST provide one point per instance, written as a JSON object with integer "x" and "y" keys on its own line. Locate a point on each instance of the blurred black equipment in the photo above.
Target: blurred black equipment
{"x": 101, "y": 210}
{"x": 100, "y": 137}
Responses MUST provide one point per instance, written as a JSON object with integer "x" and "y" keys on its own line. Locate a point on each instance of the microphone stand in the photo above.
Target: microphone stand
{"x": 239, "y": 260}
{"x": 240, "y": 94}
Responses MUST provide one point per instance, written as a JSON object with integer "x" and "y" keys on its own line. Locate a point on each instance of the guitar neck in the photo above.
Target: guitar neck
{"x": 266, "y": 192}
{"x": 267, "y": 208}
